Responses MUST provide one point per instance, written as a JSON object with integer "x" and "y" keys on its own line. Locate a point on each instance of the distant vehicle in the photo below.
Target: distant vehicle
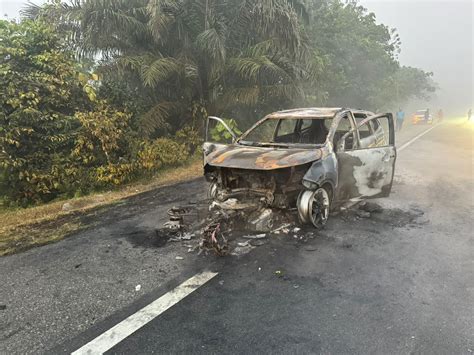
{"x": 419, "y": 117}
{"x": 308, "y": 158}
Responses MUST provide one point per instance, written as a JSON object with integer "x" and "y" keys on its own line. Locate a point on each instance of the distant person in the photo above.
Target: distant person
{"x": 400, "y": 119}
{"x": 440, "y": 115}
{"x": 469, "y": 114}
{"x": 427, "y": 115}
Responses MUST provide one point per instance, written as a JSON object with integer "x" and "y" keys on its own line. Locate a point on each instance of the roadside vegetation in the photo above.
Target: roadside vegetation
{"x": 96, "y": 94}
{"x": 24, "y": 228}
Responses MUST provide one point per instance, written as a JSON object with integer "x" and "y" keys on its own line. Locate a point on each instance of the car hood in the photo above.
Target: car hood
{"x": 261, "y": 158}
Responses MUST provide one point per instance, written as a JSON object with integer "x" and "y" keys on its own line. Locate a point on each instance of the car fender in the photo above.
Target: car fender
{"x": 321, "y": 172}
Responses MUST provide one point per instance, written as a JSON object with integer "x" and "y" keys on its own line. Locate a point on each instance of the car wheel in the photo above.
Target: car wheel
{"x": 314, "y": 206}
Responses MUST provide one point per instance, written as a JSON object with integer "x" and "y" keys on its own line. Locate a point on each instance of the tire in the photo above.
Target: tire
{"x": 314, "y": 207}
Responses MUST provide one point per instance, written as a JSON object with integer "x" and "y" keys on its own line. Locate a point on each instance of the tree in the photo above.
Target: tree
{"x": 39, "y": 93}
{"x": 53, "y": 132}
{"x": 235, "y": 58}
{"x": 223, "y": 56}
{"x": 360, "y": 55}
{"x": 411, "y": 83}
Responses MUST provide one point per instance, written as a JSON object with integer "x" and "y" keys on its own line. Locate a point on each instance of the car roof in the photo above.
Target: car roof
{"x": 364, "y": 112}
{"x": 313, "y": 112}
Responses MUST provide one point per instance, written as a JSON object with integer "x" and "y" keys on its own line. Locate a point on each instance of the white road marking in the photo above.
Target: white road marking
{"x": 129, "y": 325}
{"x": 416, "y": 137}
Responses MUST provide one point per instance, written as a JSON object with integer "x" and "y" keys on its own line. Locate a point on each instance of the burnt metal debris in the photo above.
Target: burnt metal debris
{"x": 213, "y": 239}
{"x": 219, "y": 223}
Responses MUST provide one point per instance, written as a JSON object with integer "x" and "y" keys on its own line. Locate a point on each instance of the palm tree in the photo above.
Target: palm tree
{"x": 223, "y": 55}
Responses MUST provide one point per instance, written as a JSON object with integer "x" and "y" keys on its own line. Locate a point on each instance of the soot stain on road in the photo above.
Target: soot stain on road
{"x": 148, "y": 239}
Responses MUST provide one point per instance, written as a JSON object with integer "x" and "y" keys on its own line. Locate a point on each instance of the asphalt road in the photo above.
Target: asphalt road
{"x": 401, "y": 281}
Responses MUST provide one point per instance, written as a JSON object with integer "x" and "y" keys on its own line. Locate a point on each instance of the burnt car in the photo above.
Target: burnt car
{"x": 312, "y": 159}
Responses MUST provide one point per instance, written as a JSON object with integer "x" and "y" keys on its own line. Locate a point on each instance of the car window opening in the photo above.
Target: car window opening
{"x": 289, "y": 131}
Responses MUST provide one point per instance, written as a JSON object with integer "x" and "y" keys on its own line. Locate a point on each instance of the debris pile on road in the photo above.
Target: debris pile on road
{"x": 234, "y": 227}
{"x": 261, "y": 220}
{"x": 213, "y": 239}
{"x": 224, "y": 222}
{"x": 176, "y": 228}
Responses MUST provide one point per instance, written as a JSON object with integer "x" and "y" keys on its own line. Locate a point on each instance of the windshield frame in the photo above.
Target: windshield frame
{"x": 241, "y": 140}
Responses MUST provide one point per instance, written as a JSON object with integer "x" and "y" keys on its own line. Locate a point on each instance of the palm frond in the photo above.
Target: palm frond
{"x": 134, "y": 63}
{"x": 161, "y": 15}
{"x": 246, "y": 96}
{"x": 257, "y": 69}
{"x": 157, "y": 117}
{"x": 30, "y": 11}
{"x": 160, "y": 70}
{"x": 212, "y": 44}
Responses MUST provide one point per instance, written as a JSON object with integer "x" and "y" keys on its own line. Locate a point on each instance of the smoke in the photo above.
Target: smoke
{"x": 436, "y": 36}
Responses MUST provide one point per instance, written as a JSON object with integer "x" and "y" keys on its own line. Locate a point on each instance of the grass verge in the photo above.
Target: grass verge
{"x": 23, "y": 229}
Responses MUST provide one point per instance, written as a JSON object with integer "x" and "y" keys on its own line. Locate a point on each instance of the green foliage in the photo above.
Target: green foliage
{"x": 223, "y": 54}
{"x": 102, "y": 135}
{"x": 234, "y": 57}
{"x": 219, "y": 132}
{"x": 191, "y": 138}
{"x": 412, "y": 82}
{"x": 115, "y": 174}
{"x": 56, "y": 136}
{"x": 159, "y": 152}
{"x": 39, "y": 92}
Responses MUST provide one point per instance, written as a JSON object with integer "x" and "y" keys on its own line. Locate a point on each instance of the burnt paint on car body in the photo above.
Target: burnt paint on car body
{"x": 259, "y": 158}
{"x": 361, "y": 173}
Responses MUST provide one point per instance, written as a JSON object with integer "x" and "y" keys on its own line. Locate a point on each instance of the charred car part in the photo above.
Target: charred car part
{"x": 311, "y": 159}
{"x": 213, "y": 239}
{"x": 278, "y": 188}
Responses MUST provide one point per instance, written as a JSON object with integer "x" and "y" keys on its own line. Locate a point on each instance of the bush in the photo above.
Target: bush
{"x": 115, "y": 174}
{"x": 161, "y": 152}
{"x": 56, "y": 137}
{"x": 102, "y": 137}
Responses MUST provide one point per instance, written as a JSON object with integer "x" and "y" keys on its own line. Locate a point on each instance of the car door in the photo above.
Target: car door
{"x": 218, "y": 134}
{"x": 367, "y": 171}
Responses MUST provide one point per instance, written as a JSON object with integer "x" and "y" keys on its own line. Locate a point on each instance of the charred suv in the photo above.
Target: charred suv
{"x": 309, "y": 158}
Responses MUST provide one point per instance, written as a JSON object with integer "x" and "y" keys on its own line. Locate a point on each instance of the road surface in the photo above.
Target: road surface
{"x": 401, "y": 281}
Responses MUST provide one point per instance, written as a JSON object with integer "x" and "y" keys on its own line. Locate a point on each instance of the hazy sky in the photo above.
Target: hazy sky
{"x": 436, "y": 36}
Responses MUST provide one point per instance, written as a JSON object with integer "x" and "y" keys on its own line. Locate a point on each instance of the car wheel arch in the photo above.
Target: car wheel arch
{"x": 322, "y": 172}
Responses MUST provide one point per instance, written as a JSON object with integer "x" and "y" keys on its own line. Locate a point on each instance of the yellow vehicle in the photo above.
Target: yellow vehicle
{"x": 419, "y": 117}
